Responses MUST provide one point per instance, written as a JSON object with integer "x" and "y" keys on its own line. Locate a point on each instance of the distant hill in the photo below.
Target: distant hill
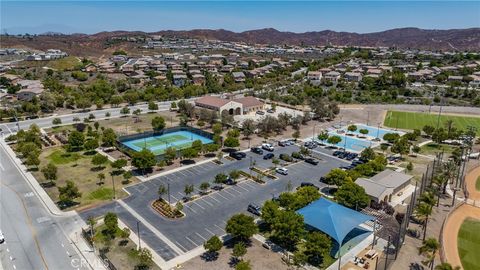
{"x": 96, "y": 44}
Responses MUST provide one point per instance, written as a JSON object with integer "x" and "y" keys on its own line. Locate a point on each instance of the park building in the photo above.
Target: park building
{"x": 234, "y": 106}
{"x": 385, "y": 186}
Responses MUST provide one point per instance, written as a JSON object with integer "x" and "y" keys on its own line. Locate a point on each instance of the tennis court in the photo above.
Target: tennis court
{"x": 157, "y": 144}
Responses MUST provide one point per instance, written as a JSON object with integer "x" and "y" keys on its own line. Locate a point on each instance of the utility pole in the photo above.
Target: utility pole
{"x": 138, "y": 233}
{"x": 113, "y": 185}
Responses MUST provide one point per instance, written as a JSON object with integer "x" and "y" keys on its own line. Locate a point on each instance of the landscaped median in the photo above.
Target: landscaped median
{"x": 167, "y": 210}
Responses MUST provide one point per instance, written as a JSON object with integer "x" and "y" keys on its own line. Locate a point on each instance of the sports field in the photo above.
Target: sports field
{"x": 414, "y": 120}
{"x": 469, "y": 244}
{"x": 157, "y": 144}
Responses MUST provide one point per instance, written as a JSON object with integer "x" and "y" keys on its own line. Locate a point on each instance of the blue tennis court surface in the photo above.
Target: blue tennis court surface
{"x": 157, "y": 144}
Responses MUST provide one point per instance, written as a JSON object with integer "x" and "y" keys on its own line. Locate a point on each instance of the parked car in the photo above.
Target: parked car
{"x": 343, "y": 155}
{"x": 257, "y": 150}
{"x": 337, "y": 153}
{"x": 260, "y": 112}
{"x": 270, "y": 111}
{"x": 311, "y": 161}
{"x": 268, "y": 156}
{"x": 268, "y": 244}
{"x": 308, "y": 184}
{"x": 254, "y": 209}
{"x": 230, "y": 181}
{"x": 2, "y": 238}
{"x": 217, "y": 187}
{"x": 267, "y": 146}
{"x": 282, "y": 170}
{"x": 351, "y": 156}
{"x": 284, "y": 143}
{"x": 237, "y": 155}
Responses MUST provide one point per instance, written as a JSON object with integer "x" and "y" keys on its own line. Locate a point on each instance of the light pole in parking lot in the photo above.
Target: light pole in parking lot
{"x": 138, "y": 233}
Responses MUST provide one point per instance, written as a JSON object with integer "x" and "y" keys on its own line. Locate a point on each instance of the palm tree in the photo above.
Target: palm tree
{"x": 429, "y": 249}
{"x": 422, "y": 212}
{"x": 161, "y": 191}
{"x": 446, "y": 266}
{"x": 449, "y": 124}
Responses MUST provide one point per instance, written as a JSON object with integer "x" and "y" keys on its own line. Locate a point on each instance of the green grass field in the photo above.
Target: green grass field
{"x": 413, "y": 120}
{"x": 477, "y": 184}
{"x": 469, "y": 244}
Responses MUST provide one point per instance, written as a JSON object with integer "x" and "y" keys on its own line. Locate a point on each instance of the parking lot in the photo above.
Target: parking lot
{"x": 207, "y": 215}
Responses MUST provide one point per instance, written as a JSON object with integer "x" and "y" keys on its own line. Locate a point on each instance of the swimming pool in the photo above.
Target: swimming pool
{"x": 375, "y": 132}
{"x": 157, "y": 144}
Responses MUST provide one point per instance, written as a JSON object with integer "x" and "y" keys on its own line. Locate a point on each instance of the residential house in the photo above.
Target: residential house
{"x": 315, "y": 77}
{"x": 238, "y": 76}
{"x": 332, "y": 76}
{"x": 353, "y": 76}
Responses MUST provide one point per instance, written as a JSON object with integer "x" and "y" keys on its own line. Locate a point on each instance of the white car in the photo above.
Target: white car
{"x": 2, "y": 239}
{"x": 267, "y": 146}
{"x": 282, "y": 170}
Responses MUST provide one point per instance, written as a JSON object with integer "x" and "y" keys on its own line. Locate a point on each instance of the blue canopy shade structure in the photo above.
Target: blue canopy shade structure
{"x": 332, "y": 218}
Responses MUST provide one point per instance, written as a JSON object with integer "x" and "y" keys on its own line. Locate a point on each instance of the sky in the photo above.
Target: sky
{"x": 36, "y": 17}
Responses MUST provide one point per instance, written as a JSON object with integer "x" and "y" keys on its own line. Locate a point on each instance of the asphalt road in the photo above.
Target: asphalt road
{"x": 207, "y": 216}
{"x": 34, "y": 239}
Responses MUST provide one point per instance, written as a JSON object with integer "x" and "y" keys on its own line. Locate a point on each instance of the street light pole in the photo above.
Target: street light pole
{"x": 138, "y": 233}
{"x": 113, "y": 185}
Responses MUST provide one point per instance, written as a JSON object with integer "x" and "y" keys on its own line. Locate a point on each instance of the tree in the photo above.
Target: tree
{"x": 401, "y": 146}
{"x": 109, "y": 138}
{"x": 352, "y": 196}
{"x": 391, "y": 137}
{"x": 239, "y": 250}
{"x": 337, "y": 177}
{"x": 119, "y": 163}
{"x": 68, "y": 193}
{"x": 241, "y": 226}
{"x": 126, "y": 177}
{"x": 296, "y": 134}
{"x": 170, "y": 154}
{"x": 188, "y": 189}
{"x": 243, "y": 265}
{"x": 233, "y": 133}
{"x": 367, "y": 154}
{"x": 91, "y": 144}
{"x": 189, "y": 153}
{"x": 213, "y": 245}
{"x": 428, "y": 130}
{"x": 144, "y": 159}
{"x": 76, "y": 140}
{"x": 220, "y": 179}
{"x": 363, "y": 131}
{"x": 439, "y": 135}
{"x": 125, "y": 233}
{"x": 33, "y": 160}
{"x": 158, "y": 123}
{"x": 145, "y": 258}
{"x": 422, "y": 213}
{"x": 125, "y": 110}
{"x": 409, "y": 166}
{"x": 217, "y": 128}
{"x": 429, "y": 249}
{"x": 99, "y": 159}
{"x": 248, "y": 127}
{"x": 152, "y": 106}
{"x": 173, "y": 106}
{"x": 446, "y": 266}
{"x": 50, "y": 172}
{"x": 269, "y": 212}
{"x": 204, "y": 186}
{"x": 299, "y": 259}
{"x": 352, "y": 128}
{"x": 334, "y": 139}
{"x": 288, "y": 228}
{"x": 56, "y": 121}
{"x": 317, "y": 245}
{"x": 111, "y": 222}
{"x": 323, "y": 136}
{"x": 197, "y": 145}
{"x": 231, "y": 142}
{"x": 162, "y": 190}
{"x": 101, "y": 178}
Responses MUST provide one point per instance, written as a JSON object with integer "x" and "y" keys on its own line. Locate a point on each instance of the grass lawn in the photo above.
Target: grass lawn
{"x": 469, "y": 244}
{"x": 477, "y": 184}
{"x": 433, "y": 148}
{"x": 78, "y": 168}
{"x": 415, "y": 120}
{"x": 66, "y": 63}
{"x": 121, "y": 252}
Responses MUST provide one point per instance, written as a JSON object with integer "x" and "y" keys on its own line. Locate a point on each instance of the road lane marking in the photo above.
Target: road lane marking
{"x": 200, "y": 236}
{"x": 63, "y": 245}
{"x": 1, "y": 166}
{"x": 14, "y": 267}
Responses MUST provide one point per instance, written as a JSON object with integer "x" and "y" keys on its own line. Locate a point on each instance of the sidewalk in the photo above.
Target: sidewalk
{"x": 39, "y": 191}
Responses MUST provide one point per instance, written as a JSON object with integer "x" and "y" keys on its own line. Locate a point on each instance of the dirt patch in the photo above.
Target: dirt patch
{"x": 259, "y": 257}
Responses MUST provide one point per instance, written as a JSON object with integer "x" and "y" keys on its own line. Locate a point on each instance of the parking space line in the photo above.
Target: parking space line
{"x": 191, "y": 241}
{"x": 181, "y": 246}
{"x": 209, "y": 231}
{"x": 249, "y": 183}
{"x": 174, "y": 198}
{"x": 181, "y": 194}
{"x": 225, "y": 190}
{"x": 213, "y": 198}
{"x": 219, "y": 194}
{"x": 198, "y": 205}
{"x": 219, "y": 227}
{"x": 207, "y": 202}
{"x": 191, "y": 208}
{"x": 235, "y": 190}
{"x": 243, "y": 188}
{"x": 200, "y": 236}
